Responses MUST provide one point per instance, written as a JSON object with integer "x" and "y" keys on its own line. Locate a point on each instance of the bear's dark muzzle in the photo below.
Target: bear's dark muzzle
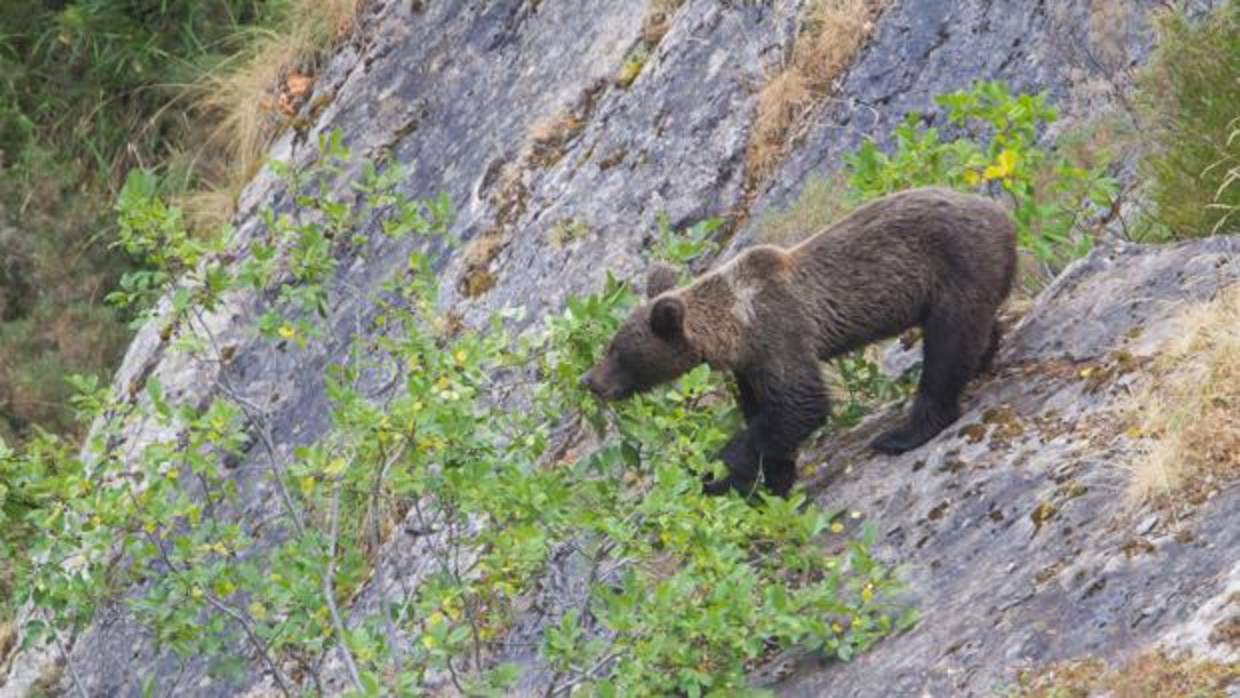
{"x": 600, "y": 388}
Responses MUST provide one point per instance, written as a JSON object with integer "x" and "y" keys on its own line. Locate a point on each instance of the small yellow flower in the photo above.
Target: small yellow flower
{"x": 257, "y": 611}
{"x": 1004, "y": 166}
{"x": 837, "y": 628}
{"x": 837, "y": 527}
{"x": 195, "y": 594}
{"x": 972, "y": 178}
{"x": 867, "y": 593}
{"x": 287, "y": 331}
{"x": 460, "y": 356}
{"x": 336, "y": 467}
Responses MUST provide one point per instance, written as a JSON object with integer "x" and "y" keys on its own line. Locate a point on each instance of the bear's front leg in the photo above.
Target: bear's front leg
{"x": 742, "y": 466}
{"x": 737, "y": 455}
{"x": 784, "y": 404}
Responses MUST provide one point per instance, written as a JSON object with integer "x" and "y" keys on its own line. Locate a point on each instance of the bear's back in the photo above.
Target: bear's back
{"x": 876, "y": 272}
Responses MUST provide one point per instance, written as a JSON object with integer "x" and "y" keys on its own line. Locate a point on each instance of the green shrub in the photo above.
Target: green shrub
{"x": 1051, "y": 195}
{"x": 684, "y": 592}
{"x": 1189, "y": 97}
{"x": 1053, "y": 192}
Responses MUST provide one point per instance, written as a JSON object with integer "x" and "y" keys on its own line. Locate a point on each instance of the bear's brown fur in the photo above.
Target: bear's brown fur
{"x": 932, "y": 257}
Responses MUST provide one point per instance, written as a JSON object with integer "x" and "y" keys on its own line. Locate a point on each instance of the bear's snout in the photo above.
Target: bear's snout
{"x": 587, "y": 381}
{"x": 602, "y": 387}
{"x": 591, "y": 382}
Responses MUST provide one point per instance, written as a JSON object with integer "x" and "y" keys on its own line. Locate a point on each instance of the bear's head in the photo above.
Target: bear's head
{"x": 650, "y": 348}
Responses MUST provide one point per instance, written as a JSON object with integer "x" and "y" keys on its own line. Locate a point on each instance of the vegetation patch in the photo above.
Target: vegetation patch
{"x": 567, "y": 230}
{"x": 256, "y": 93}
{"x": 830, "y": 34}
{"x": 8, "y": 638}
{"x": 549, "y": 138}
{"x": 1053, "y": 193}
{"x": 823, "y": 200}
{"x": 478, "y": 255}
{"x": 1190, "y": 101}
{"x": 1150, "y": 674}
{"x": 864, "y": 387}
{"x": 1227, "y": 632}
{"x": 508, "y": 200}
{"x": 1187, "y": 419}
{"x": 658, "y": 20}
{"x": 655, "y": 25}
{"x": 90, "y": 90}
{"x": 632, "y": 66}
{"x": 685, "y": 592}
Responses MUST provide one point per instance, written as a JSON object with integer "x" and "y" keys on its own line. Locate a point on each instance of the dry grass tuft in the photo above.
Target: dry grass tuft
{"x": 658, "y": 19}
{"x": 48, "y": 682}
{"x": 548, "y": 139}
{"x": 1146, "y": 675}
{"x": 478, "y": 277}
{"x": 8, "y": 638}
{"x": 656, "y": 23}
{"x": 252, "y": 97}
{"x": 832, "y": 31}
{"x": 1191, "y": 410}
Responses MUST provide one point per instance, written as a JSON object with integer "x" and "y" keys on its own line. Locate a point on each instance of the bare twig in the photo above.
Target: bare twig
{"x": 329, "y": 594}
{"x": 262, "y": 430}
{"x": 258, "y": 420}
{"x": 219, "y": 605}
{"x": 380, "y": 576}
{"x": 254, "y": 639}
{"x": 64, "y": 653}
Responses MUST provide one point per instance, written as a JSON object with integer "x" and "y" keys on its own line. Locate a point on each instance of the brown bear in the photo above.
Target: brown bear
{"x": 928, "y": 257}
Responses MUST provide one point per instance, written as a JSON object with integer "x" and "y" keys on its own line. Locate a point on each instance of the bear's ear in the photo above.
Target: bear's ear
{"x": 660, "y": 278}
{"x": 667, "y": 318}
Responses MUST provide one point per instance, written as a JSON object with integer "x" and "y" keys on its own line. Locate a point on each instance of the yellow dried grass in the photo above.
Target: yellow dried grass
{"x": 832, "y": 31}
{"x": 1189, "y": 414}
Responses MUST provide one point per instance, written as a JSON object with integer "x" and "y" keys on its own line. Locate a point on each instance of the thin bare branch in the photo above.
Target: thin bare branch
{"x": 329, "y": 594}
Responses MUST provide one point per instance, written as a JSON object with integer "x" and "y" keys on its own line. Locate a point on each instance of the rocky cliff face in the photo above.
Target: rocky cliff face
{"x": 514, "y": 110}
{"x": 1018, "y": 539}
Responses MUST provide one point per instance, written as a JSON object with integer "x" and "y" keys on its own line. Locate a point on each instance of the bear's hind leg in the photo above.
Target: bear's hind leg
{"x": 953, "y": 350}
{"x": 988, "y": 357}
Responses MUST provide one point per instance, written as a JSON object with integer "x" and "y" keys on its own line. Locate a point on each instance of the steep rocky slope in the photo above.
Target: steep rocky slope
{"x": 513, "y": 109}
{"x": 1014, "y": 527}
